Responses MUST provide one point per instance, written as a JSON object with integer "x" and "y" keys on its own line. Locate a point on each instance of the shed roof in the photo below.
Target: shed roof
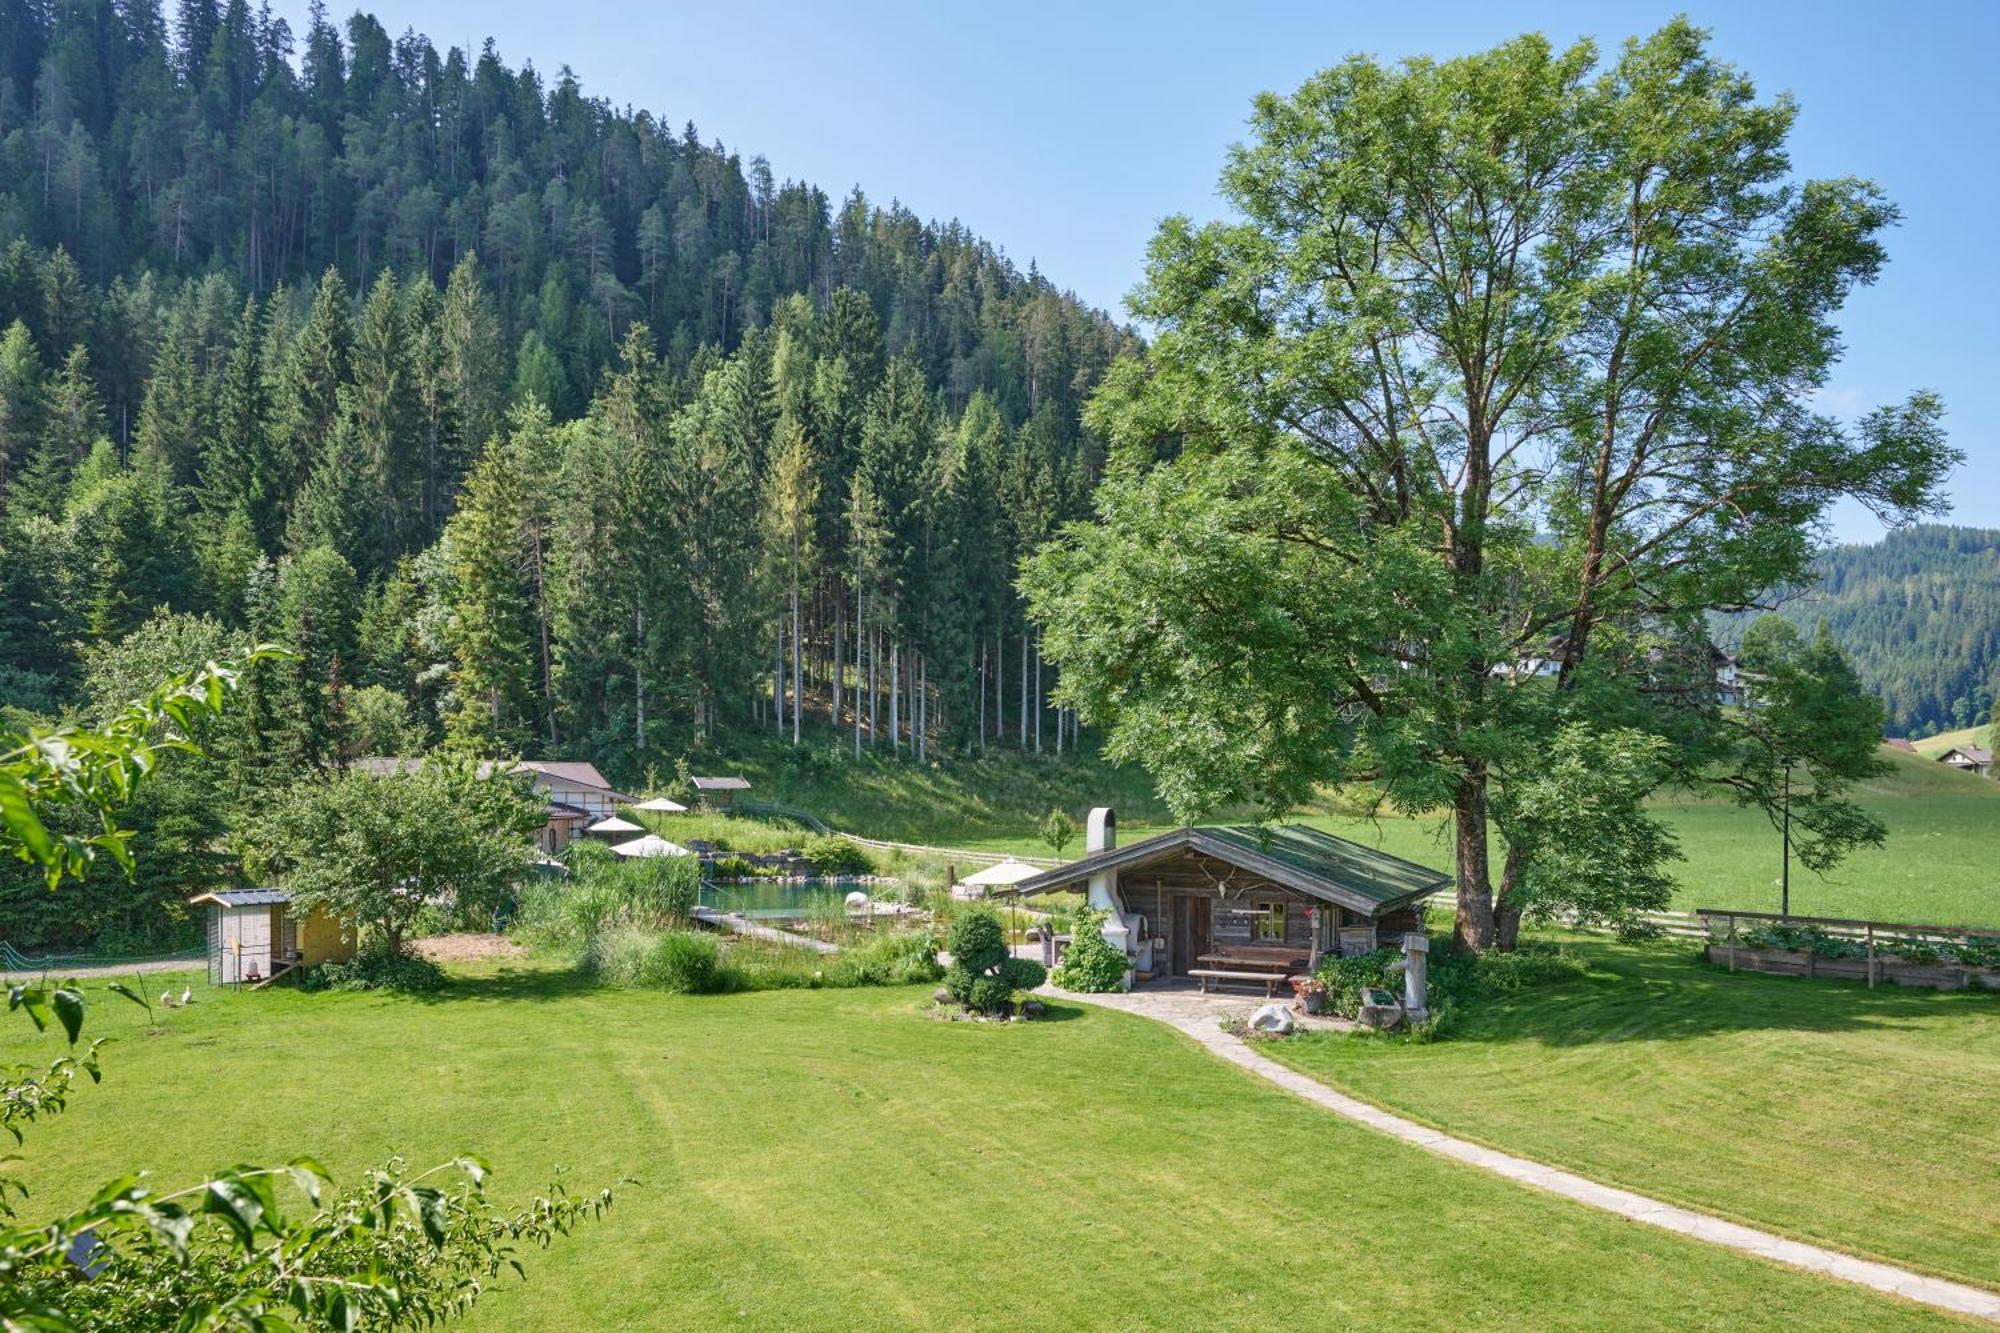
{"x": 720, "y": 784}
{"x": 242, "y": 897}
{"x": 575, "y": 772}
{"x": 1977, "y": 754}
{"x": 1308, "y": 860}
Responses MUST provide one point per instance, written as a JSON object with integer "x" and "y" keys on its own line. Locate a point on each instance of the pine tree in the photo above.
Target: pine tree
{"x": 791, "y": 497}
{"x": 381, "y": 402}
{"x": 336, "y": 506}
{"x": 20, "y": 400}
{"x": 493, "y": 626}
{"x": 305, "y": 396}
{"x": 439, "y": 423}
{"x": 475, "y": 356}
{"x": 237, "y": 468}
{"x": 173, "y": 418}
{"x": 72, "y": 420}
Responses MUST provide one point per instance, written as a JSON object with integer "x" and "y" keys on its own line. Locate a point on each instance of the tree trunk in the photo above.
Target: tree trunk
{"x": 859, "y": 636}
{"x": 639, "y": 679}
{"x": 1474, "y": 929}
{"x": 1507, "y": 907}
{"x": 1024, "y": 689}
{"x": 895, "y": 681}
{"x": 1038, "y": 698}
{"x": 798, "y": 683}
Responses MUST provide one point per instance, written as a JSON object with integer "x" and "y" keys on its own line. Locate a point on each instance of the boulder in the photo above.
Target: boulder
{"x": 1273, "y": 1018}
{"x": 1033, "y": 1009}
{"x": 941, "y": 995}
{"x": 857, "y": 901}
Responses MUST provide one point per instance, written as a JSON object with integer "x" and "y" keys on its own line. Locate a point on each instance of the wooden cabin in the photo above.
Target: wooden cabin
{"x": 1232, "y": 900}
{"x": 255, "y": 936}
{"x": 1969, "y": 759}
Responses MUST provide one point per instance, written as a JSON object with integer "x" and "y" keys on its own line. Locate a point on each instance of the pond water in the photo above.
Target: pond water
{"x": 793, "y": 900}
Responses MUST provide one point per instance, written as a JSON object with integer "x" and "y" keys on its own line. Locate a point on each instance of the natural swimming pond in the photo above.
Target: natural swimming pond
{"x": 784, "y": 900}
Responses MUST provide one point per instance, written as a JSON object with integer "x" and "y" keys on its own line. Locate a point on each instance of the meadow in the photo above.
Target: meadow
{"x": 836, "y": 1159}
{"x": 1936, "y": 867}
{"x": 1855, "y": 1118}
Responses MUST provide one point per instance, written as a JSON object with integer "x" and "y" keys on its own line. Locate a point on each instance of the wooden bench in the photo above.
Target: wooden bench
{"x": 1269, "y": 980}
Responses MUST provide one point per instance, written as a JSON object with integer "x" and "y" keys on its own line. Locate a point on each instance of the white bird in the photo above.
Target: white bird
{"x": 166, "y": 1000}
{"x": 187, "y": 995}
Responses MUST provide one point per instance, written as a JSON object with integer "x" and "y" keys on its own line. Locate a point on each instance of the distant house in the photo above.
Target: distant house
{"x": 1900, "y": 743}
{"x": 1969, "y": 758}
{"x": 577, "y": 793}
{"x": 1732, "y": 682}
{"x": 719, "y": 793}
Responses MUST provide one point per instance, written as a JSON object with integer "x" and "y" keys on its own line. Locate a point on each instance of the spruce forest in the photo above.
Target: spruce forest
{"x": 573, "y": 426}
{"x": 533, "y": 425}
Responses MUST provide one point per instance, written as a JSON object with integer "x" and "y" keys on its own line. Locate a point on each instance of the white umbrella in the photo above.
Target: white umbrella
{"x": 613, "y": 824}
{"x": 996, "y": 876}
{"x": 663, "y": 805}
{"x": 651, "y": 845}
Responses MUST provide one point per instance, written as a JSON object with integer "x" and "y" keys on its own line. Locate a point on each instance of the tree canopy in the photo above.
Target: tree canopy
{"x": 1509, "y": 359}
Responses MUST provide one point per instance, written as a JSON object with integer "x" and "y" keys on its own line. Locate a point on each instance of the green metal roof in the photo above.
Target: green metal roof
{"x": 1309, "y": 860}
{"x": 1368, "y": 871}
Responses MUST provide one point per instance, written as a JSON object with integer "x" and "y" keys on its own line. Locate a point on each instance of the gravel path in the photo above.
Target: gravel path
{"x": 1199, "y": 1017}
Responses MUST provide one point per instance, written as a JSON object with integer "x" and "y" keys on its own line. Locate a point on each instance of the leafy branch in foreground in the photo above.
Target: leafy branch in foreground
{"x": 399, "y": 1249}
{"x": 101, "y": 767}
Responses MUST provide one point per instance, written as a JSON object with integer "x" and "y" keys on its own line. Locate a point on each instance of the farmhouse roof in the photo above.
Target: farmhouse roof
{"x": 576, "y": 772}
{"x": 1977, "y": 754}
{"x": 242, "y": 897}
{"x": 720, "y": 784}
{"x": 1900, "y": 743}
{"x": 1304, "y": 859}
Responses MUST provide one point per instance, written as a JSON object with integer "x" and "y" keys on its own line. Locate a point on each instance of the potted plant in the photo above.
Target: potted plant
{"x": 1311, "y": 993}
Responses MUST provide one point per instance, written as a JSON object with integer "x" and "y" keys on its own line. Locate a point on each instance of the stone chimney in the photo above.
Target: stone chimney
{"x": 1101, "y": 831}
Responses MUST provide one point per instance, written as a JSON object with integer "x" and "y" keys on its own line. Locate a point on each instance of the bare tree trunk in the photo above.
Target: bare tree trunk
{"x": 839, "y": 673}
{"x": 999, "y": 684}
{"x": 858, "y": 638}
{"x": 874, "y": 688}
{"x": 639, "y": 677}
{"x": 895, "y": 679}
{"x": 1024, "y": 689}
{"x": 1038, "y": 698}
{"x": 778, "y": 682}
{"x": 798, "y": 683}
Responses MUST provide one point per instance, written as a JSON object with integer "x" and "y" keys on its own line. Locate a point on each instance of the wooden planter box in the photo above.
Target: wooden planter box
{"x": 1799, "y": 963}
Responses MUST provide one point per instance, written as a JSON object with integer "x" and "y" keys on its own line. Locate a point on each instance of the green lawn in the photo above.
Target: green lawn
{"x": 1859, "y": 1119}
{"x": 835, "y": 1159}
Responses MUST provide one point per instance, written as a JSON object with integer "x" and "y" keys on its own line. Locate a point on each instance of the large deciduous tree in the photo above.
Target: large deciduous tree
{"x": 1501, "y": 381}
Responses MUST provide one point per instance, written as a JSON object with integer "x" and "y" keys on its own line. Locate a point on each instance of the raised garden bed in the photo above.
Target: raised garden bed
{"x": 1888, "y": 970}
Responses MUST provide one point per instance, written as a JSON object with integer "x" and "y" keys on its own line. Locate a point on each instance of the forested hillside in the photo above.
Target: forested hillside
{"x": 532, "y": 425}
{"x": 575, "y": 426}
{"x": 1919, "y": 614}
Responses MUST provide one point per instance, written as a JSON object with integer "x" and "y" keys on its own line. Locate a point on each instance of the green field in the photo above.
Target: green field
{"x": 1936, "y": 867}
{"x": 1859, "y": 1119}
{"x": 1945, "y": 740}
{"x": 837, "y": 1160}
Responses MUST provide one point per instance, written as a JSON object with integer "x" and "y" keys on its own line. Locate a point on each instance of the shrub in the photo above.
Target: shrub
{"x": 1452, "y": 981}
{"x": 895, "y": 958}
{"x": 1091, "y": 964}
{"x": 374, "y": 967}
{"x": 684, "y": 962}
{"x": 983, "y": 976}
{"x": 836, "y": 856}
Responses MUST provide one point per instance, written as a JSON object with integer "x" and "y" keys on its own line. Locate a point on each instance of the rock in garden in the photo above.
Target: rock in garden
{"x": 1033, "y": 1009}
{"x": 1272, "y": 1018}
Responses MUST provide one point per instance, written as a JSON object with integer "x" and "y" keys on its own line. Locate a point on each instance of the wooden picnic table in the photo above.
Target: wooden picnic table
{"x": 1270, "y": 967}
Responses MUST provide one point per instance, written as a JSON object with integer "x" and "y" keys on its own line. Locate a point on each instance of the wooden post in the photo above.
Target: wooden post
{"x": 1732, "y": 941}
{"x": 1871, "y": 957}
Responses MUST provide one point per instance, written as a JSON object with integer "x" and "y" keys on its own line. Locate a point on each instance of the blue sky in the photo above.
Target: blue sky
{"x": 1064, "y": 132}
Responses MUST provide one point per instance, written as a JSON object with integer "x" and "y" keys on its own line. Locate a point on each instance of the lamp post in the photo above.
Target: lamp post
{"x": 1785, "y": 873}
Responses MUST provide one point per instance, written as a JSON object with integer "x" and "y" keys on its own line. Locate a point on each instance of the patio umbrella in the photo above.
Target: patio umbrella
{"x": 995, "y": 876}
{"x": 662, "y": 805}
{"x": 651, "y": 845}
{"x": 613, "y": 824}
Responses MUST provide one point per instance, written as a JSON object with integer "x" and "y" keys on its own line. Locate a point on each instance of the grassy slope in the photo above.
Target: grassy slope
{"x": 1933, "y": 870}
{"x": 1860, "y": 1119}
{"x": 836, "y": 1160}
{"x": 1945, "y": 740}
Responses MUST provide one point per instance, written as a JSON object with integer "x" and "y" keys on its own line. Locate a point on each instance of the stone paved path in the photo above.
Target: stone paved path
{"x": 1199, "y": 1017}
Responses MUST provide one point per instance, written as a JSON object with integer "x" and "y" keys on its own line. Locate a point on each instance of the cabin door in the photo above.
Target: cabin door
{"x": 1190, "y": 931}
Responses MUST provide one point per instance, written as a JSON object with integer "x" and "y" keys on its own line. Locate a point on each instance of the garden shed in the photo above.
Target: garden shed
{"x": 255, "y": 936}
{"x": 1236, "y": 902}
{"x": 718, "y": 793}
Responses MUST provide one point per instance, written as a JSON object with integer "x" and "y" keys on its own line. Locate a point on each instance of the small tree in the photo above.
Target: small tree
{"x": 1058, "y": 830}
{"x": 983, "y": 974}
{"x": 376, "y": 849}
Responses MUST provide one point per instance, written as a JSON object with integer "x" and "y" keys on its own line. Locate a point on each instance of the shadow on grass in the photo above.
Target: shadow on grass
{"x": 511, "y": 983}
{"x": 1651, "y": 993}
